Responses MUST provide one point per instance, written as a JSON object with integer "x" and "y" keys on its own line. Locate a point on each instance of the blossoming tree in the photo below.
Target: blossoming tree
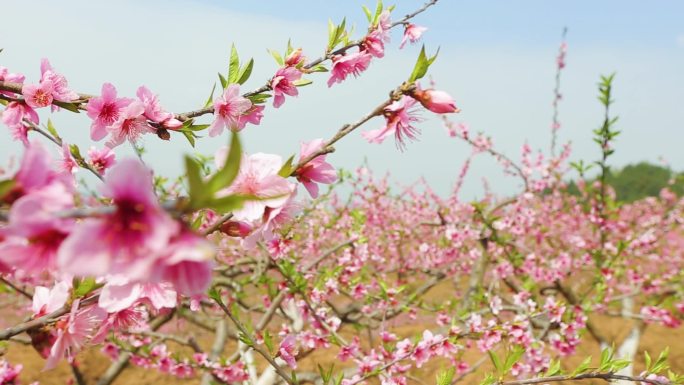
{"x": 507, "y": 289}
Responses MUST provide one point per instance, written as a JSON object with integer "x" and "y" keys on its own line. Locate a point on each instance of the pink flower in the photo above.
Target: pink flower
{"x": 412, "y": 33}
{"x": 10, "y": 77}
{"x": 73, "y": 332}
{"x": 119, "y": 294}
{"x": 105, "y": 110}
{"x": 253, "y": 116}
{"x": 316, "y": 170}
{"x": 228, "y": 109}
{"x": 9, "y": 373}
{"x": 374, "y": 43}
{"x": 130, "y": 125}
{"x": 101, "y": 159}
{"x": 60, "y": 86}
{"x": 436, "y": 101}
{"x": 38, "y": 96}
{"x": 283, "y": 84}
{"x": 288, "y": 351}
{"x": 399, "y": 118}
{"x": 45, "y": 300}
{"x": 351, "y": 63}
{"x": 187, "y": 264}
{"x": 258, "y": 176}
{"x": 154, "y": 111}
{"x": 69, "y": 164}
{"x": 295, "y": 58}
{"x": 127, "y": 239}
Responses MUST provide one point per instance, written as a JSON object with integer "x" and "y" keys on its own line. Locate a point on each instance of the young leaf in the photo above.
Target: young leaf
{"x": 225, "y": 176}
{"x": 51, "y": 129}
{"x": 211, "y": 96}
{"x": 224, "y": 82}
{"x": 286, "y": 170}
{"x": 85, "y": 286}
{"x": 496, "y": 362}
{"x": 228, "y": 203}
{"x": 277, "y": 57}
{"x": 245, "y": 72}
{"x": 196, "y": 189}
{"x": 445, "y": 377}
{"x": 190, "y": 137}
{"x": 421, "y": 67}
{"x": 234, "y": 66}
{"x": 367, "y": 11}
{"x": 6, "y": 186}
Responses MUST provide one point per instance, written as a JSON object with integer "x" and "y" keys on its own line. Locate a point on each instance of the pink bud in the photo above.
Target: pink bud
{"x": 436, "y": 101}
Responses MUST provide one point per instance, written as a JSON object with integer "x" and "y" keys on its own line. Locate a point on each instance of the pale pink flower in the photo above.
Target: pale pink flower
{"x": 60, "y": 86}
{"x": 105, "y": 110}
{"x": 283, "y": 84}
{"x": 228, "y": 109}
{"x": 288, "y": 351}
{"x": 186, "y": 263}
{"x": 351, "y": 63}
{"x": 398, "y": 120}
{"x": 119, "y": 294}
{"x": 154, "y": 111}
{"x": 38, "y": 96}
{"x": 436, "y": 101}
{"x": 127, "y": 318}
{"x": 258, "y": 176}
{"x": 73, "y": 332}
{"x": 374, "y": 43}
{"x": 15, "y": 112}
{"x": 10, "y": 77}
{"x": 316, "y": 170}
{"x": 101, "y": 159}
{"x": 127, "y": 239}
{"x": 412, "y": 33}
{"x": 253, "y": 116}
{"x": 130, "y": 125}
{"x": 68, "y": 163}
{"x": 46, "y": 301}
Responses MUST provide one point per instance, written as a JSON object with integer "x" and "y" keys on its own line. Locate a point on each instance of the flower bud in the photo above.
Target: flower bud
{"x": 436, "y": 101}
{"x": 236, "y": 229}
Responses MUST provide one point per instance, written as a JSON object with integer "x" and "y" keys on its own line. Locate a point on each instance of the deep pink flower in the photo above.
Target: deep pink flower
{"x": 73, "y": 332}
{"x": 101, "y": 159}
{"x": 60, "y": 86}
{"x": 283, "y": 84}
{"x": 374, "y": 43}
{"x": 9, "y": 374}
{"x": 154, "y": 111}
{"x": 38, "y": 95}
{"x": 130, "y": 125}
{"x": 399, "y": 118}
{"x": 316, "y": 170}
{"x": 127, "y": 239}
{"x": 436, "y": 101}
{"x": 105, "y": 110}
{"x": 228, "y": 110}
{"x": 351, "y": 63}
{"x": 288, "y": 351}
{"x": 412, "y": 33}
{"x": 258, "y": 176}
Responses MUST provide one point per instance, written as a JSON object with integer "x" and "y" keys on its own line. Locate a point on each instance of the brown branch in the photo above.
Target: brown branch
{"x": 586, "y": 376}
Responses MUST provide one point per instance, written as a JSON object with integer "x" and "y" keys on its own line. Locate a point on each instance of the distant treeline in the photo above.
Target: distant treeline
{"x": 636, "y": 181}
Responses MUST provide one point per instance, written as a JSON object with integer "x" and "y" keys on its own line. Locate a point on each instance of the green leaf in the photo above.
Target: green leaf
{"x": 196, "y": 188}
{"x": 318, "y": 68}
{"x": 302, "y": 82}
{"x": 51, "y": 129}
{"x": 496, "y": 361}
{"x": 554, "y": 369}
{"x": 224, "y": 82}
{"x": 277, "y": 57}
{"x": 582, "y": 367}
{"x": 259, "y": 98}
{"x": 228, "y": 203}
{"x": 378, "y": 11}
{"x": 67, "y": 106}
{"x": 84, "y": 286}
{"x": 268, "y": 341}
{"x": 367, "y": 11}
{"x": 287, "y": 168}
{"x": 245, "y": 72}
{"x": 215, "y": 294}
{"x": 75, "y": 151}
{"x": 234, "y": 66}
{"x": 211, "y": 96}
{"x": 190, "y": 137}
{"x": 421, "y": 67}
{"x": 445, "y": 377}
{"x": 513, "y": 357}
{"x": 6, "y": 186}
{"x": 225, "y": 176}
{"x": 647, "y": 359}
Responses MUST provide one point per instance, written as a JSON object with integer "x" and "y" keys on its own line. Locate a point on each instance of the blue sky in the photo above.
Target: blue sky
{"x": 496, "y": 59}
